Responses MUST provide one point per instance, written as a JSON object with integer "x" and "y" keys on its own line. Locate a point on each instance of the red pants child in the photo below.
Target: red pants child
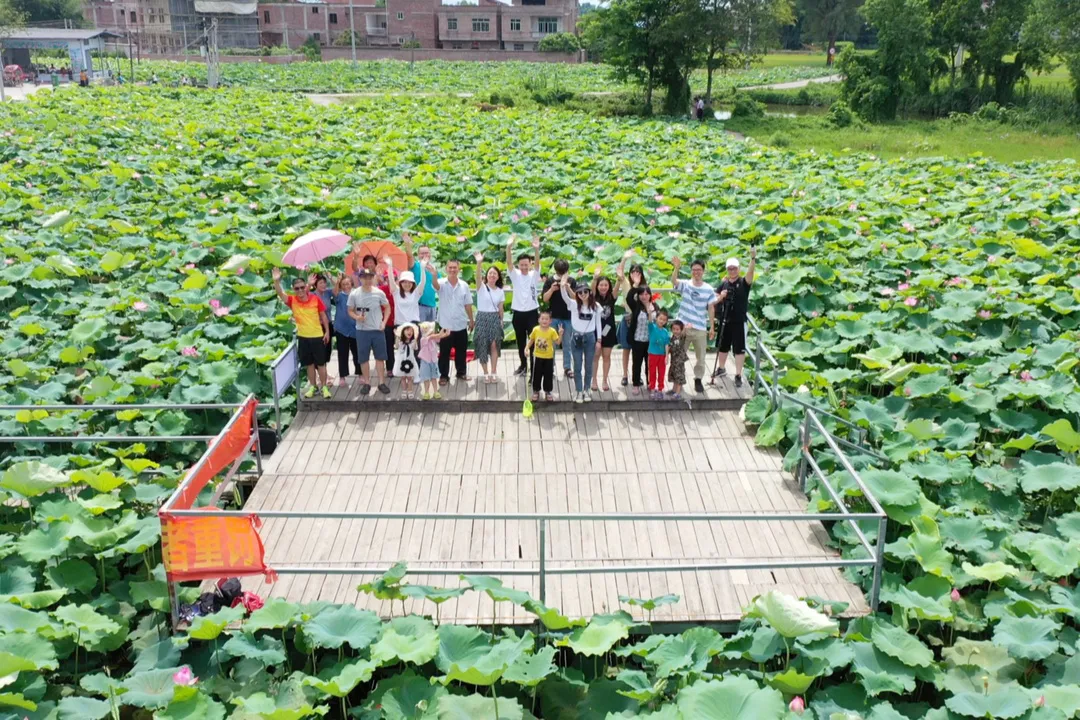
{"x": 657, "y": 371}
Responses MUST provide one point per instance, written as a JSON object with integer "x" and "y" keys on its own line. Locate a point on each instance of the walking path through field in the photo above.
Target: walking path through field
{"x": 21, "y": 92}
{"x": 795, "y": 84}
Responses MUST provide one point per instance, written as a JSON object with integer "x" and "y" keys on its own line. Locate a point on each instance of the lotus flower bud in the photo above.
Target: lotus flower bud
{"x": 797, "y": 705}
{"x": 955, "y": 595}
{"x": 1040, "y": 701}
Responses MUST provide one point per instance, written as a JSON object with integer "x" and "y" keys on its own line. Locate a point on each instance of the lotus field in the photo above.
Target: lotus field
{"x": 934, "y": 303}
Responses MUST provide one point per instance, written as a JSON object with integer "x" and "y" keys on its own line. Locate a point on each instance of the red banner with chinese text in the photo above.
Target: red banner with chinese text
{"x": 224, "y": 453}
{"x": 205, "y": 548}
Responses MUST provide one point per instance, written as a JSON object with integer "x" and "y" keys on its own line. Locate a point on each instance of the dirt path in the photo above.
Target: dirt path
{"x": 23, "y": 91}
{"x": 795, "y": 84}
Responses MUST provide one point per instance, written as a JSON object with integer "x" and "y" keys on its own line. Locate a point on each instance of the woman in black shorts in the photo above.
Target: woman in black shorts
{"x": 604, "y": 293}
{"x": 630, "y": 287}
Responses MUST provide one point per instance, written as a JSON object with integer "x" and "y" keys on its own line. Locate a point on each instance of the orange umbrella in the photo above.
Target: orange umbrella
{"x": 381, "y": 249}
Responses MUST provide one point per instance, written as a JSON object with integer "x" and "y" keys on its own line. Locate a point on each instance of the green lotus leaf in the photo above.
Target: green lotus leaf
{"x": 531, "y": 670}
{"x": 598, "y": 637}
{"x": 881, "y": 673}
{"x": 85, "y": 618}
{"x": 14, "y": 618}
{"x": 267, "y": 650}
{"x": 409, "y": 639}
{"x": 1062, "y": 433}
{"x": 405, "y": 696}
{"x": 902, "y": 645}
{"x": 791, "y": 682}
{"x": 1006, "y": 703}
{"x": 203, "y": 394}
{"x": 77, "y": 575}
{"x": 991, "y": 571}
{"x": 275, "y": 614}
{"x": 83, "y": 708}
{"x": 496, "y": 590}
{"x": 479, "y": 707}
{"x": 1065, "y": 698}
{"x": 284, "y": 706}
{"x": 161, "y": 655}
{"x": 40, "y": 545}
{"x": 732, "y": 698}
{"x": 467, "y": 655}
{"x": 344, "y": 625}
{"x": 771, "y": 430}
{"x": 650, "y": 604}
{"x": 551, "y": 617}
{"x": 31, "y": 479}
{"x": 209, "y": 627}
{"x": 890, "y": 487}
{"x": 88, "y": 331}
{"x": 199, "y": 705}
{"x": 1030, "y": 638}
{"x": 926, "y": 385}
{"x": 152, "y": 689}
{"x": 1054, "y": 557}
{"x": 1053, "y": 476}
{"x": 790, "y": 616}
{"x": 30, "y": 647}
{"x": 17, "y": 700}
{"x": 340, "y": 680}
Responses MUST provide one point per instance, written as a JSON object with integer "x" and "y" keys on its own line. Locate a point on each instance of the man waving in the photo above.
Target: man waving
{"x": 733, "y": 295}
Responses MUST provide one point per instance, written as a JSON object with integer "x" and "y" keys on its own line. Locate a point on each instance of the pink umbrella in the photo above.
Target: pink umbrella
{"x": 314, "y": 246}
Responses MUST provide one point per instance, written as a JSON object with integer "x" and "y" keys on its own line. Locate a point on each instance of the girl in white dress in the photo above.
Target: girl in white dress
{"x": 406, "y": 358}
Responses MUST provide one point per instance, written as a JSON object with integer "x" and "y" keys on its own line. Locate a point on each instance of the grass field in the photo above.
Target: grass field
{"x": 913, "y": 138}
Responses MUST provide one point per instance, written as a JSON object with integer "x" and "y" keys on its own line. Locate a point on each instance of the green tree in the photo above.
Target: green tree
{"x": 654, "y": 42}
{"x": 1001, "y": 54}
{"x": 49, "y": 10}
{"x": 562, "y": 42}
{"x": 875, "y": 84}
{"x": 718, "y": 29}
{"x": 825, "y": 20}
{"x": 955, "y": 27}
{"x": 757, "y": 25}
{"x": 1058, "y": 23}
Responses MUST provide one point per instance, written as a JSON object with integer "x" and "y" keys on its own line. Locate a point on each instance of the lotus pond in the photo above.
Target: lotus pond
{"x": 935, "y": 303}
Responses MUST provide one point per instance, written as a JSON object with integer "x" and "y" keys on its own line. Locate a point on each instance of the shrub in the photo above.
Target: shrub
{"x": 779, "y": 140}
{"x": 747, "y": 107}
{"x": 311, "y": 49}
{"x": 504, "y": 98}
{"x": 840, "y": 115}
{"x": 562, "y": 42}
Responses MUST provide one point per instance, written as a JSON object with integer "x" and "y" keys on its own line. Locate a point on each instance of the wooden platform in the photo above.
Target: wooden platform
{"x": 511, "y": 391}
{"x": 627, "y": 462}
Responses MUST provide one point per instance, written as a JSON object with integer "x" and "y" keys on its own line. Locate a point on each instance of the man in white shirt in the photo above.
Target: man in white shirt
{"x": 455, "y": 309}
{"x": 525, "y": 304}
{"x": 697, "y": 311}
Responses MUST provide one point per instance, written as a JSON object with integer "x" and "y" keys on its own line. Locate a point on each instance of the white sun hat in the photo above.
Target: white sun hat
{"x": 732, "y": 262}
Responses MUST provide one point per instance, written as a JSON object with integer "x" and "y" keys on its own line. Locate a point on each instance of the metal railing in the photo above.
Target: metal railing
{"x": 284, "y": 371}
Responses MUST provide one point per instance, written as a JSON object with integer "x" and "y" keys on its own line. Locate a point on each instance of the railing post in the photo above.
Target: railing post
{"x": 757, "y": 367}
{"x": 258, "y": 444}
{"x": 174, "y": 606}
{"x": 543, "y": 561}
{"x": 879, "y": 564}
{"x": 804, "y": 444}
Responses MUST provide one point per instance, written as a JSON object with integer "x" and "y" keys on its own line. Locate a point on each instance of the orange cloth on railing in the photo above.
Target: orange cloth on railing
{"x": 221, "y": 456}
{"x": 201, "y": 548}
{"x": 204, "y": 548}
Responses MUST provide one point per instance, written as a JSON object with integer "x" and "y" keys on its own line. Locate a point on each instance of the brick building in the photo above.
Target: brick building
{"x": 167, "y": 26}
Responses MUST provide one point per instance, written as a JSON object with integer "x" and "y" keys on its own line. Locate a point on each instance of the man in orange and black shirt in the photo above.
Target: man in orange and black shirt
{"x": 312, "y": 332}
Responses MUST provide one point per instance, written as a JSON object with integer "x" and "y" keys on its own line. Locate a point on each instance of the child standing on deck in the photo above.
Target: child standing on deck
{"x": 406, "y": 358}
{"x": 659, "y": 337}
{"x": 542, "y": 341}
{"x": 429, "y": 359}
{"x": 677, "y": 354}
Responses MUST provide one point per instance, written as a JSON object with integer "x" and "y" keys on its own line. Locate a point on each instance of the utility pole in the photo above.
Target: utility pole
{"x": 352, "y": 32}
{"x": 131, "y": 61}
{"x": 412, "y": 50}
{"x": 212, "y": 56}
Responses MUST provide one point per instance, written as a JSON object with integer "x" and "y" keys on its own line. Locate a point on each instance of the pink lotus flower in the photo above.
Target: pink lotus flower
{"x": 215, "y": 303}
{"x": 911, "y": 301}
{"x": 190, "y": 266}
{"x": 695, "y": 200}
{"x": 657, "y": 197}
{"x": 1040, "y": 701}
{"x": 935, "y": 221}
{"x": 513, "y": 218}
{"x": 547, "y": 229}
{"x": 524, "y": 213}
{"x": 596, "y": 207}
{"x": 862, "y": 218}
{"x": 461, "y": 238}
{"x": 673, "y": 233}
{"x": 457, "y": 207}
{"x": 221, "y": 311}
{"x": 1026, "y": 376}
{"x": 797, "y": 705}
{"x": 325, "y": 192}
{"x": 813, "y": 313}
{"x": 240, "y": 270}
{"x": 253, "y": 206}
{"x": 884, "y": 247}
{"x": 184, "y": 676}
{"x": 1035, "y": 222}
{"x": 853, "y": 207}
{"x": 955, "y": 281}
{"x": 907, "y": 392}
{"x": 9, "y": 261}
{"x": 663, "y": 209}
{"x": 887, "y": 291}
{"x": 902, "y": 286}
{"x": 652, "y": 221}
{"x": 985, "y": 314}
{"x": 955, "y": 358}
{"x": 140, "y": 306}
{"x": 955, "y": 595}
{"x": 562, "y": 205}
{"x": 973, "y": 230}
{"x": 202, "y": 196}
{"x": 992, "y": 259}
{"x": 189, "y": 351}
{"x": 907, "y": 272}
{"x": 136, "y": 175}
{"x": 483, "y": 216}
{"x": 225, "y": 200}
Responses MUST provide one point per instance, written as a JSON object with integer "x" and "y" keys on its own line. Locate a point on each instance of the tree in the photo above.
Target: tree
{"x": 998, "y": 37}
{"x": 757, "y": 25}
{"x": 562, "y": 42}
{"x": 718, "y": 29}
{"x": 49, "y": 10}
{"x": 825, "y": 20}
{"x": 654, "y": 42}
{"x": 874, "y": 84}
{"x": 1058, "y": 23}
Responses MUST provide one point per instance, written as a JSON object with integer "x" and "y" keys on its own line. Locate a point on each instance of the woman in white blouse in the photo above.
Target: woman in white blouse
{"x": 586, "y": 331}
{"x": 490, "y": 298}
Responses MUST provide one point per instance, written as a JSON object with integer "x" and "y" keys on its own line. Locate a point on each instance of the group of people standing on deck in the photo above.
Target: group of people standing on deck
{"x": 416, "y": 321}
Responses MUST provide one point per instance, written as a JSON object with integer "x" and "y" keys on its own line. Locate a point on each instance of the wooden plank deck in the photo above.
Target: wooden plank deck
{"x": 616, "y": 461}
{"x": 510, "y": 391}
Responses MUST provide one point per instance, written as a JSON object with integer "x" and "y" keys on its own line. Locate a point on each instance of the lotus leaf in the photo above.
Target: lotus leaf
{"x": 1029, "y": 638}
{"x": 789, "y": 616}
{"x": 344, "y": 625}
{"x": 408, "y": 639}
{"x": 733, "y": 698}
